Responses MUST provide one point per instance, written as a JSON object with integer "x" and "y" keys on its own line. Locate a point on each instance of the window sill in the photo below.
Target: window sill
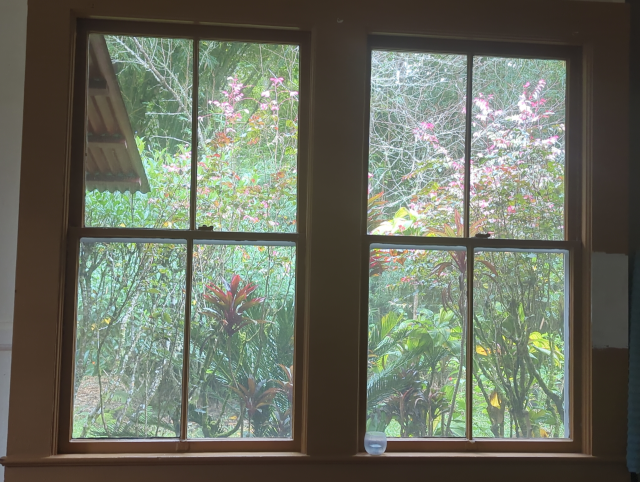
{"x": 229, "y": 458}
{"x": 205, "y": 458}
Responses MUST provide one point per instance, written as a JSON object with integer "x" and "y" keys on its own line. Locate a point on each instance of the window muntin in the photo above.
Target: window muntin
{"x": 545, "y": 410}
{"x": 256, "y": 267}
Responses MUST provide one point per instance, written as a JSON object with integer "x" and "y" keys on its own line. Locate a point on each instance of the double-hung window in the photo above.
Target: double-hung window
{"x": 187, "y": 262}
{"x": 473, "y": 239}
{"x": 187, "y": 227}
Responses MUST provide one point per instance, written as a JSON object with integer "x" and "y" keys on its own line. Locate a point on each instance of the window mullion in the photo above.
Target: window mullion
{"x": 469, "y": 350}
{"x": 334, "y": 261}
{"x": 184, "y": 406}
{"x": 194, "y": 134}
{"x": 467, "y": 146}
{"x": 468, "y": 328}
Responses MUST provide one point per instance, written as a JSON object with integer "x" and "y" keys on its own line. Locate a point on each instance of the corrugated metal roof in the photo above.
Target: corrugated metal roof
{"x": 112, "y": 162}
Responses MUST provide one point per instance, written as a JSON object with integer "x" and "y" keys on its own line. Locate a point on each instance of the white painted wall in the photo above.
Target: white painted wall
{"x": 609, "y": 300}
{"x": 13, "y": 31}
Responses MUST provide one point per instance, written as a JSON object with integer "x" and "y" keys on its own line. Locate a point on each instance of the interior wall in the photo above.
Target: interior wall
{"x": 608, "y": 275}
{"x": 13, "y": 30}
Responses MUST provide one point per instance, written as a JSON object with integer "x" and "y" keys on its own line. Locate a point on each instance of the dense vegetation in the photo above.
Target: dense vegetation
{"x": 131, "y": 300}
{"x": 418, "y": 305}
{"x": 131, "y": 295}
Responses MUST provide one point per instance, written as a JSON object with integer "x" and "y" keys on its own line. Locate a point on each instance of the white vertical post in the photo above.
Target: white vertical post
{"x": 13, "y": 33}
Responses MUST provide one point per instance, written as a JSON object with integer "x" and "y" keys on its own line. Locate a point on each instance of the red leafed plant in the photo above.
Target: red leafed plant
{"x": 229, "y": 304}
{"x": 286, "y": 387}
{"x": 255, "y": 397}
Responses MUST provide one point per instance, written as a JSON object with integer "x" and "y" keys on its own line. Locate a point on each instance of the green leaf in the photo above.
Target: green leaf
{"x": 389, "y": 322}
{"x": 401, "y": 213}
{"x": 521, "y": 313}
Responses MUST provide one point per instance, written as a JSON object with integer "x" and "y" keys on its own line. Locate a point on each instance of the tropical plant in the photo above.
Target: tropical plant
{"x": 229, "y": 305}
{"x": 131, "y": 304}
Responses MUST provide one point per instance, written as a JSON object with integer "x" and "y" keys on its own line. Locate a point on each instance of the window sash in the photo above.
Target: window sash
{"x": 473, "y": 246}
{"x": 76, "y": 231}
{"x": 572, "y": 243}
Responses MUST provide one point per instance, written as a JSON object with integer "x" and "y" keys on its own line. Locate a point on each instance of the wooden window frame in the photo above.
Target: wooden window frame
{"x": 76, "y": 231}
{"x": 572, "y": 243}
{"x": 338, "y": 44}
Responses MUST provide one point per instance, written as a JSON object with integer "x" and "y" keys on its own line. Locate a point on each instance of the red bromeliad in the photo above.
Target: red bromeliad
{"x": 231, "y": 303}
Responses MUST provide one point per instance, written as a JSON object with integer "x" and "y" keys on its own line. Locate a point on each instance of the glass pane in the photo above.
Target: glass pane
{"x": 416, "y": 143}
{"x": 518, "y": 148}
{"x": 242, "y": 339}
{"x": 137, "y": 164}
{"x": 248, "y": 136}
{"x": 416, "y": 364}
{"x": 521, "y": 341}
{"x": 129, "y": 339}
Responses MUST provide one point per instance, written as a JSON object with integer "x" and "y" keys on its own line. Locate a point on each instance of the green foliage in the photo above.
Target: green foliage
{"x": 131, "y": 295}
{"x": 416, "y": 172}
{"x": 131, "y": 306}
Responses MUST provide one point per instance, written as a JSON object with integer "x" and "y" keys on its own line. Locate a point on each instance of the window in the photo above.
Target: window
{"x": 333, "y": 252}
{"x": 187, "y": 227}
{"x": 185, "y": 314}
{"x": 472, "y": 231}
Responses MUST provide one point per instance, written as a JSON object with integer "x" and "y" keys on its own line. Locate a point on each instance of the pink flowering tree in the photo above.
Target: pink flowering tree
{"x": 248, "y": 163}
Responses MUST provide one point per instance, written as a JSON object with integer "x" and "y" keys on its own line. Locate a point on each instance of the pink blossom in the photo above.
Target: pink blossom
{"x": 276, "y": 80}
{"x": 175, "y": 168}
{"x": 511, "y": 209}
